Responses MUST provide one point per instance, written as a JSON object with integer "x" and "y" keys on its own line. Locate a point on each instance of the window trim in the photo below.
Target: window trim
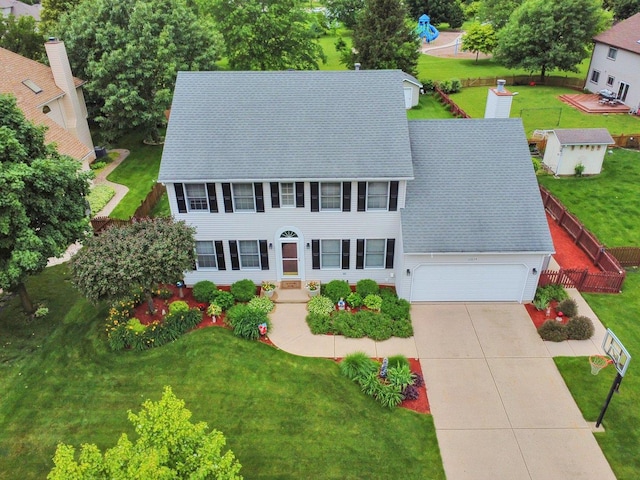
{"x": 256, "y": 254}
{"x": 214, "y": 254}
{"x": 292, "y": 195}
{"x": 337, "y": 254}
{"x": 610, "y": 83}
{"x": 594, "y": 73}
{"x": 386, "y": 198}
{"x": 366, "y": 253}
{"x": 234, "y": 196}
{"x": 188, "y": 198}
{"x": 338, "y": 208}
{"x": 612, "y": 53}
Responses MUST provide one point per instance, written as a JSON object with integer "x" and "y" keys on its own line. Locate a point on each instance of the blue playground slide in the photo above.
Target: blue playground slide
{"x": 426, "y": 30}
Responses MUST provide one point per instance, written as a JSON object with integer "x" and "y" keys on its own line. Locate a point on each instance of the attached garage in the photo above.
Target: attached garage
{"x": 459, "y": 282}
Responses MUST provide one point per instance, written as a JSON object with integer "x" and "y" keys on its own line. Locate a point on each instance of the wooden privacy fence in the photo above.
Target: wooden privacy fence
{"x": 553, "y": 81}
{"x": 612, "y": 275}
{"x": 626, "y": 256}
{"x": 144, "y": 209}
{"x": 453, "y": 107}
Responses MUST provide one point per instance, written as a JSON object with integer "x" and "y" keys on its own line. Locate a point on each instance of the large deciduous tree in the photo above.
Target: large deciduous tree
{"x": 21, "y": 35}
{"x": 439, "y": 11}
{"x": 130, "y": 52}
{"x": 140, "y": 255}
{"x": 479, "y": 38}
{"x": 383, "y": 38}
{"x": 168, "y": 446}
{"x": 42, "y": 200}
{"x": 267, "y": 34}
{"x": 51, "y": 12}
{"x": 543, "y": 35}
{"x": 498, "y": 12}
{"x": 345, "y": 11}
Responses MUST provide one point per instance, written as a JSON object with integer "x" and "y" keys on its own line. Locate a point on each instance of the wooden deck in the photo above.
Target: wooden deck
{"x": 590, "y": 103}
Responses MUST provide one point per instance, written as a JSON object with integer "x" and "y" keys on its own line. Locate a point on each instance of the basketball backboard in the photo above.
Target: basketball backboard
{"x": 616, "y": 352}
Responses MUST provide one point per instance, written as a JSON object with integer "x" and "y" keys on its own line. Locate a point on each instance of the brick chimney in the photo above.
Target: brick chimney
{"x": 74, "y": 109}
{"x": 498, "y": 101}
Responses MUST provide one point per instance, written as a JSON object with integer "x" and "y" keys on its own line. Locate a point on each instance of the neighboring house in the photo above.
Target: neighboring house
{"x": 320, "y": 176}
{"x": 50, "y": 96}
{"x": 569, "y": 147}
{"x": 615, "y": 62}
{"x": 20, "y": 9}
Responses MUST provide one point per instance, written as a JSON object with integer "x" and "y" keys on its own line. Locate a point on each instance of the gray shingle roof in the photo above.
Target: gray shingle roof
{"x": 287, "y": 126}
{"x": 474, "y": 190}
{"x": 584, "y": 136}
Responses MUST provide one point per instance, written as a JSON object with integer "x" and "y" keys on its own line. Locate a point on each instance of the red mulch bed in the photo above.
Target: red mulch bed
{"x": 568, "y": 254}
{"x": 540, "y": 316}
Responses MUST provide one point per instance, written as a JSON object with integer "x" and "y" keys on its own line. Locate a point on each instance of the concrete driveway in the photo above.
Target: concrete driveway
{"x": 500, "y": 406}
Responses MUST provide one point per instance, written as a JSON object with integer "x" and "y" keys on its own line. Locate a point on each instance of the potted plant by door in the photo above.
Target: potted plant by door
{"x": 268, "y": 287}
{"x": 313, "y": 288}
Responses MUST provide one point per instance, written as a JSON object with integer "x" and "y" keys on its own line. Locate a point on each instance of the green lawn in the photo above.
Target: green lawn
{"x": 428, "y": 107}
{"x": 139, "y": 172}
{"x": 607, "y": 203}
{"x": 283, "y": 416}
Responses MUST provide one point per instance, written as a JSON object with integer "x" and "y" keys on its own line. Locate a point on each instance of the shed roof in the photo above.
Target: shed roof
{"x": 14, "y": 70}
{"x": 625, "y": 35}
{"x": 584, "y": 136}
{"x": 287, "y": 125}
{"x": 474, "y": 189}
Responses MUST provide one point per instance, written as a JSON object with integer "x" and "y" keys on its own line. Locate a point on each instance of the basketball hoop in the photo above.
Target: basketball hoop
{"x": 598, "y": 362}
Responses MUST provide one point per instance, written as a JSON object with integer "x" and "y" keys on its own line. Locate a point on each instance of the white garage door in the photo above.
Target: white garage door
{"x": 454, "y": 282}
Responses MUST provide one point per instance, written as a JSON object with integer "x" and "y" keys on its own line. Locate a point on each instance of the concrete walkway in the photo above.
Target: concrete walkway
{"x": 500, "y": 407}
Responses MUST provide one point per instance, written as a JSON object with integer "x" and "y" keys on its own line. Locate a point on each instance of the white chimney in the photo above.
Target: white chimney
{"x": 498, "y": 102}
{"x": 74, "y": 109}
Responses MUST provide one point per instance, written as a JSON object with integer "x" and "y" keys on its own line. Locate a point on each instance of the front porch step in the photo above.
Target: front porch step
{"x": 286, "y": 295}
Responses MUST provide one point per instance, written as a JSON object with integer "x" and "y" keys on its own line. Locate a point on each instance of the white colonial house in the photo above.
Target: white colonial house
{"x": 320, "y": 176}
{"x": 615, "y": 62}
{"x": 569, "y": 147}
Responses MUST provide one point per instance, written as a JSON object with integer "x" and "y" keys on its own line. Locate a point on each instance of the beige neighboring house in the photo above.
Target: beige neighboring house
{"x": 615, "y": 62}
{"x": 20, "y": 9}
{"x": 569, "y": 147}
{"x": 50, "y": 96}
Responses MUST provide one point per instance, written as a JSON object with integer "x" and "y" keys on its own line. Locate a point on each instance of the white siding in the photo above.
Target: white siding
{"x": 563, "y": 159}
{"x": 625, "y": 68}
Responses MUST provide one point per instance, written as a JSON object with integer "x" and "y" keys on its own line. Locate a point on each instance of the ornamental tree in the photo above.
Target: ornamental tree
{"x": 267, "y": 34}
{"x": 140, "y": 255}
{"x": 42, "y": 205}
{"x": 479, "y": 38}
{"x": 169, "y": 446}
{"x": 130, "y": 52}
{"x": 543, "y": 35}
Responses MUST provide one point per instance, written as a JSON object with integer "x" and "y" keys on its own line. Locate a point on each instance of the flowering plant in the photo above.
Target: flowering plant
{"x": 267, "y": 286}
{"x": 313, "y": 285}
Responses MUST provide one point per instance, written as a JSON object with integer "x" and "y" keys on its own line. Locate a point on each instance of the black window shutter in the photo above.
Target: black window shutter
{"x": 391, "y": 246}
{"x": 346, "y": 245}
{"x": 226, "y": 196}
{"x": 315, "y": 254}
{"x": 275, "y": 195}
{"x": 362, "y": 196}
{"x": 257, "y": 188}
{"x": 182, "y": 204}
{"x": 264, "y": 255}
{"x": 233, "y": 252}
{"x": 300, "y": 194}
{"x": 220, "y": 255}
{"x": 346, "y": 196}
{"x": 360, "y": 253}
{"x": 213, "y": 201}
{"x": 393, "y": 196}
{"x": 315, "y": 197}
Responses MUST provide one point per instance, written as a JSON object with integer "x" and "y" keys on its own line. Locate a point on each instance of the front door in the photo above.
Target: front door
{"x": 289, "y": 258}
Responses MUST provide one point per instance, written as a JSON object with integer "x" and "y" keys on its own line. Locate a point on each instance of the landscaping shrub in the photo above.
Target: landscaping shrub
{"x": 427, "y": 85}
{"x": 213, "y": 310}
{"x": 402, "y": 328}
{"x": 164, "y": 293}
{"x": 367, "y": 287}
{"x": 99, "y": 196}
{"x": 398, "y": 360}
{"x": 243, "y": 290}
{"x": 411, "y": 392}
{"x": 553, "y": 331}
{"x": 225, "y": 300}
{"x": 245, "y": 321}
{"x": 336, "y": 289}
{"x": 347, "y": 324}
{"x": 320, "y": 305}
{"x": 545, "y": 294}
{"x": 319, "y": 324}
{"x": 373, "y": 302}
{"x": 354, "y": 300}
{"x": 418, "y": 379}
{"x": 264, "y": 304}
{"x": 387, "y": 293}
{"x": 389, "y": 395}
{"x": 579, "y": 328}
{"x": 178, "y": 306}
{"x": 396, "y": 308}
{"x": 377, "y": 326}
{"x": 204, "y": 291}
{"x": 568, "y": 307}
{"x": 400, "y": 376}
{"x": 136, "y": 296}
{"x": 358, "y": 366}
{"x": 371, "y": 385}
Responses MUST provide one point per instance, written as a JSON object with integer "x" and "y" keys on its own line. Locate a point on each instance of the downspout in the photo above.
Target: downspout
{"x": 560, "y": 159}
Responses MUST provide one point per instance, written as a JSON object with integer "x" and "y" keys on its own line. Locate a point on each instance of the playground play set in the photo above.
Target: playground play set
{"x": 425, "y": 30}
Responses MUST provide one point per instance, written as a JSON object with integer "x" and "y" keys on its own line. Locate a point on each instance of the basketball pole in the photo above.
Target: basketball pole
{"x": 614, "y": 388}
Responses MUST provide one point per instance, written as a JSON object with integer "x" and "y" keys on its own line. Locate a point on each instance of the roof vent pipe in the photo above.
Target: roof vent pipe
{"x": 357, "y": 66}
{"x": 501, "y": 84}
